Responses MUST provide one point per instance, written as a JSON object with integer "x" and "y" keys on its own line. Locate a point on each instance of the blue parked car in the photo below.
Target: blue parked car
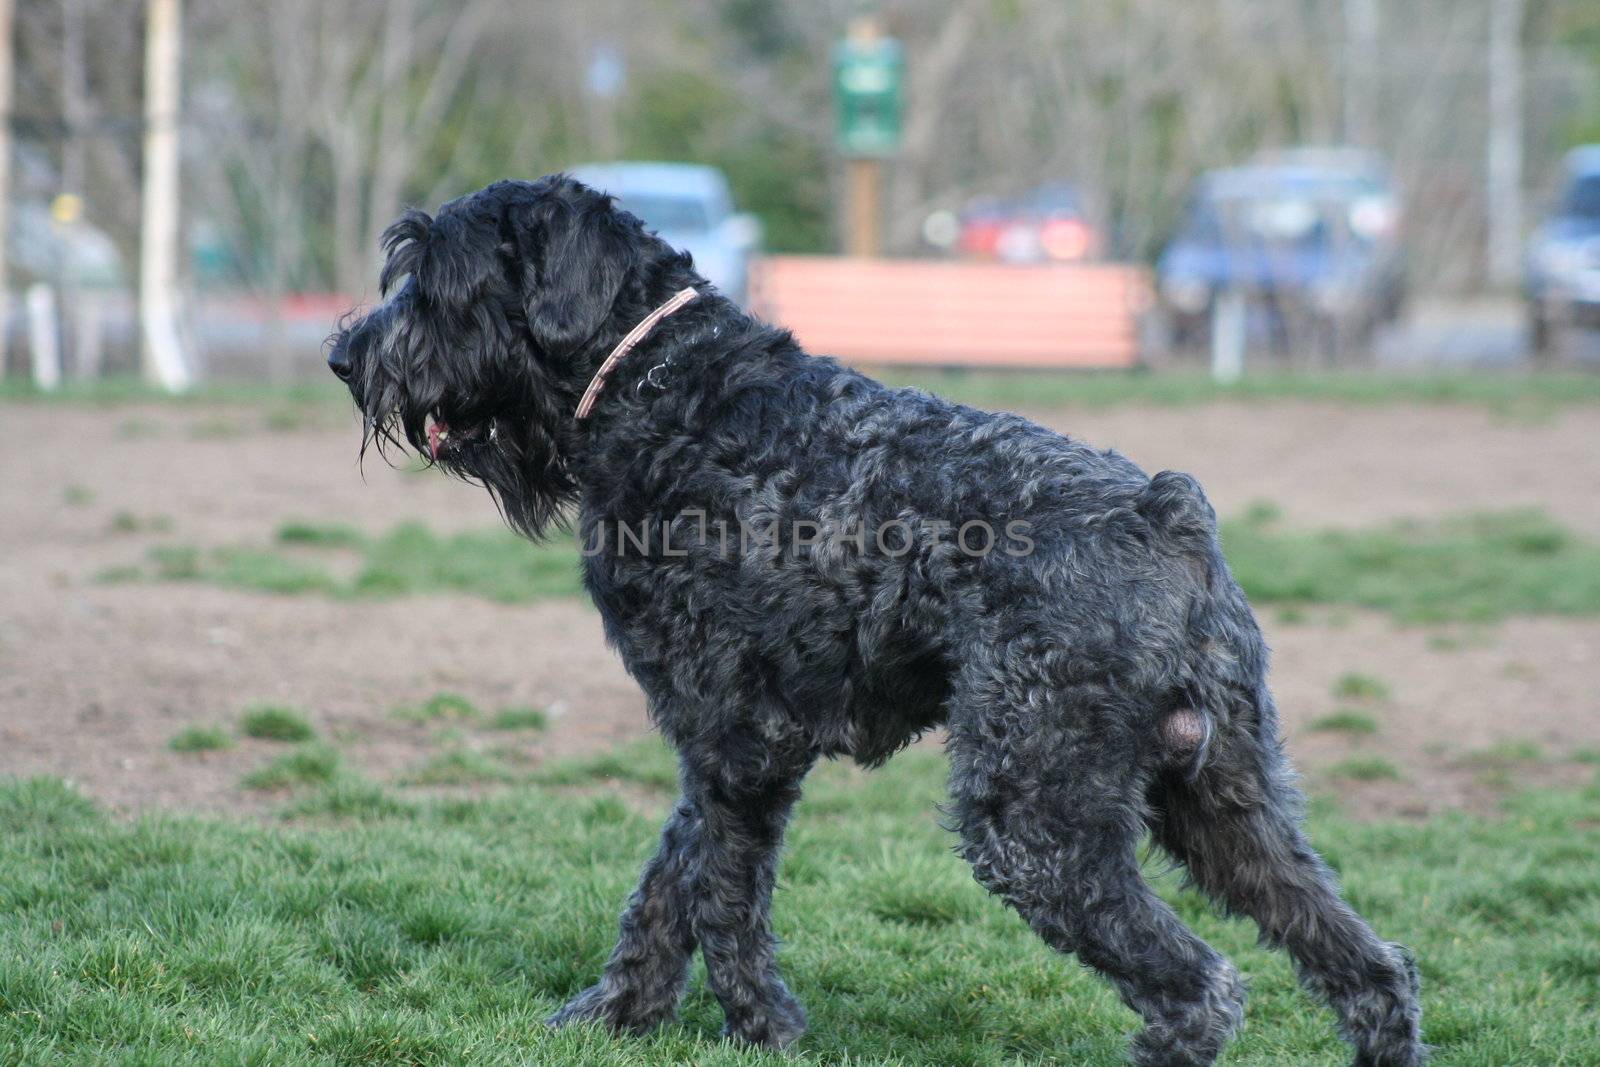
{"x": 1563, "y": 272}
{"x": 689, "y": 206}
{"x": 1309, "y": 240}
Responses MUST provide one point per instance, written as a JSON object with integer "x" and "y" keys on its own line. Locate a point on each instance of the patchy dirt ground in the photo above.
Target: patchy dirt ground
{"x": 95, "y": 679}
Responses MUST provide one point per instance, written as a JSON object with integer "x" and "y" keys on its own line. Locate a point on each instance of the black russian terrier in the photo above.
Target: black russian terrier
{"x": 796, "y": 562}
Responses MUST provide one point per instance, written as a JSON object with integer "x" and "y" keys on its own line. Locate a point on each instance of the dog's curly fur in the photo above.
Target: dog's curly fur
{"x": 1109, "y": 682}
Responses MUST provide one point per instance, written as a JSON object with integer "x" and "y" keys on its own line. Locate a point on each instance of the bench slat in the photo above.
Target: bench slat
{"x": 947, "y": 313}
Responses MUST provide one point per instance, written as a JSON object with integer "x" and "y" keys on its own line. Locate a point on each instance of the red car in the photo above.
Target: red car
{"x": 1047, "y": 225}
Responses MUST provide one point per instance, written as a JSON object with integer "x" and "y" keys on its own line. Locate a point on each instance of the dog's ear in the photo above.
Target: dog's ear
{"x": 443, "y": 256}
{"x": 574, "y": 257}
{"x": 404, "y": 244}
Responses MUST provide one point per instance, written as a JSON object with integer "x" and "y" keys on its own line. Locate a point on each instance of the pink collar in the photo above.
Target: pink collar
{"x": 624, "y": 346}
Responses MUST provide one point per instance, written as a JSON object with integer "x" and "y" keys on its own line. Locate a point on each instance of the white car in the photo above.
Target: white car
{"x": 688, "y": 205}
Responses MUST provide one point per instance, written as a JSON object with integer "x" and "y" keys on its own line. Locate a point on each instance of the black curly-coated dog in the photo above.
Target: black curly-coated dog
{"x": 797, "y": 562}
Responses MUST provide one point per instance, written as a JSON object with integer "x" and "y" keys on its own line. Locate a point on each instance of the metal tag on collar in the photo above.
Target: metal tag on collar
{"x": 650, "y": 378}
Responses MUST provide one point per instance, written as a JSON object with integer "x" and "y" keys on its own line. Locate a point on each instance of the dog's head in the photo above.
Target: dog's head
{"x": 495, "y": 313}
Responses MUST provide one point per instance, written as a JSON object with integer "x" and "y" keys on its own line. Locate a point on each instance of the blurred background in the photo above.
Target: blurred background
{"x": 1340, "y": 260}
{"x": 1378, "y": 182}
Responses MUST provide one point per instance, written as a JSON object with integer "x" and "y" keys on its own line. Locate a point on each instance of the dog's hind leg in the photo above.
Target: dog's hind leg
{"x": 1235, "y": 826}
{"x": 743, "y": 821}
{"x": 645, "y": 975}
{"x": 1049, "y": 814}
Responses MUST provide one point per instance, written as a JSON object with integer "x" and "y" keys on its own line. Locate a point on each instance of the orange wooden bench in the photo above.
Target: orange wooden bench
{"x": 952, "y": 313}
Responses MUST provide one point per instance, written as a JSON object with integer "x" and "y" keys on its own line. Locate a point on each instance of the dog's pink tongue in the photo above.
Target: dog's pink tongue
{"x": 434, "y": 432}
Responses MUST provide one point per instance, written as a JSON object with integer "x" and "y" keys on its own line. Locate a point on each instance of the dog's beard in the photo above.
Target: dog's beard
{"x": 521, "y": 465}
{"x": 487, "y": 334}
{"x": 511, "y": 437}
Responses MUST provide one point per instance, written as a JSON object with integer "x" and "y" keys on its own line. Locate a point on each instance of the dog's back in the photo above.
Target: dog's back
{"x": 871, "y": 534}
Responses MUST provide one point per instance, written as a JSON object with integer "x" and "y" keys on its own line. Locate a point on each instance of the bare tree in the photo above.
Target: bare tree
{"x": 310, "y": 125}
{"x": 6, "y": 66}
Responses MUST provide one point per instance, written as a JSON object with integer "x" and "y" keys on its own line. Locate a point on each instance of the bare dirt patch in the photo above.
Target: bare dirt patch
{"x": 1348, "y": 465}
{"x": 95, "y": 678}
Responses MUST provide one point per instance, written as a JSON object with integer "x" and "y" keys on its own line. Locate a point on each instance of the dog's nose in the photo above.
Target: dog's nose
{"x": 339, "y": 359}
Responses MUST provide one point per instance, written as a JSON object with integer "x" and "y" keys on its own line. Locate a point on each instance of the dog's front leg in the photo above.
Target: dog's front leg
{"x": 743, "y": 834}
{"x": 645, "y": 975}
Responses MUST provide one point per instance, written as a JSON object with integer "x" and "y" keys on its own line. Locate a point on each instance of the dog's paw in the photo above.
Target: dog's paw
{"x": 1392, "y": 1036}
{"x": 774, "y": 1022}
{"x": 615, "y": 1010}
{"x": 1414, "y": 1055}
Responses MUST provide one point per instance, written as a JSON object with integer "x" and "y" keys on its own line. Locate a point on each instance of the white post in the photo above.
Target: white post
{"x": 1504, "y": 200}
{"x": 67, "y": 208}
{"x": 44, "y": 342}
{"x": 5, "y": 169}
{"x": 88, "y": 335}
{"x": 1227, "y": 336}
{"x": 164, "y": 362}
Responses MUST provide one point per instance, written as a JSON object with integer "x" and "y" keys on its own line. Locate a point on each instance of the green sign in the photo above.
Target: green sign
{"x": 866, "y": 96}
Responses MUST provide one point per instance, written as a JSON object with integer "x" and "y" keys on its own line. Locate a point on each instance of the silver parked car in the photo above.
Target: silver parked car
{"x": 689, "y": 206}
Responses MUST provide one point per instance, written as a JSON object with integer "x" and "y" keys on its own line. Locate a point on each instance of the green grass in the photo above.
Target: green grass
{"x": 114, "y": 392}
{"x": 1509, "y": 393}
{"x": 306, "y": 765}
{"x": 126, "y": 522}
{"x": 176, "y": 563}
{"x": 1347, "y": 722}
{"x": 494, "y": 564}
{"x": 520, "y": 719}
{"x": 1261, "y": 513}
{"x": 1504, "y": 755}
{"x": 648, "y": 766}
{"x": 410, "y": 560}
{"x": 118, "y": 575}
{"x": 371, "y": 930}
{"x": 269, "y": 723}
{"x": 200, "y": 739}
{"x": 283, "y": 419}
{"x": 439, "y": 707}
{"x": 1356, "y": 686}
{"x": 1473, "y": 568}
{"x": 268, "y": 572}
{"x": 287, "y": 406}
{"x": 1365, "y": 769}
{"x": 459, "y": 767}
{"x": 349, "y": 797}
{"x": 1476, "y": 568}
{"x": 320, "y": 535}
